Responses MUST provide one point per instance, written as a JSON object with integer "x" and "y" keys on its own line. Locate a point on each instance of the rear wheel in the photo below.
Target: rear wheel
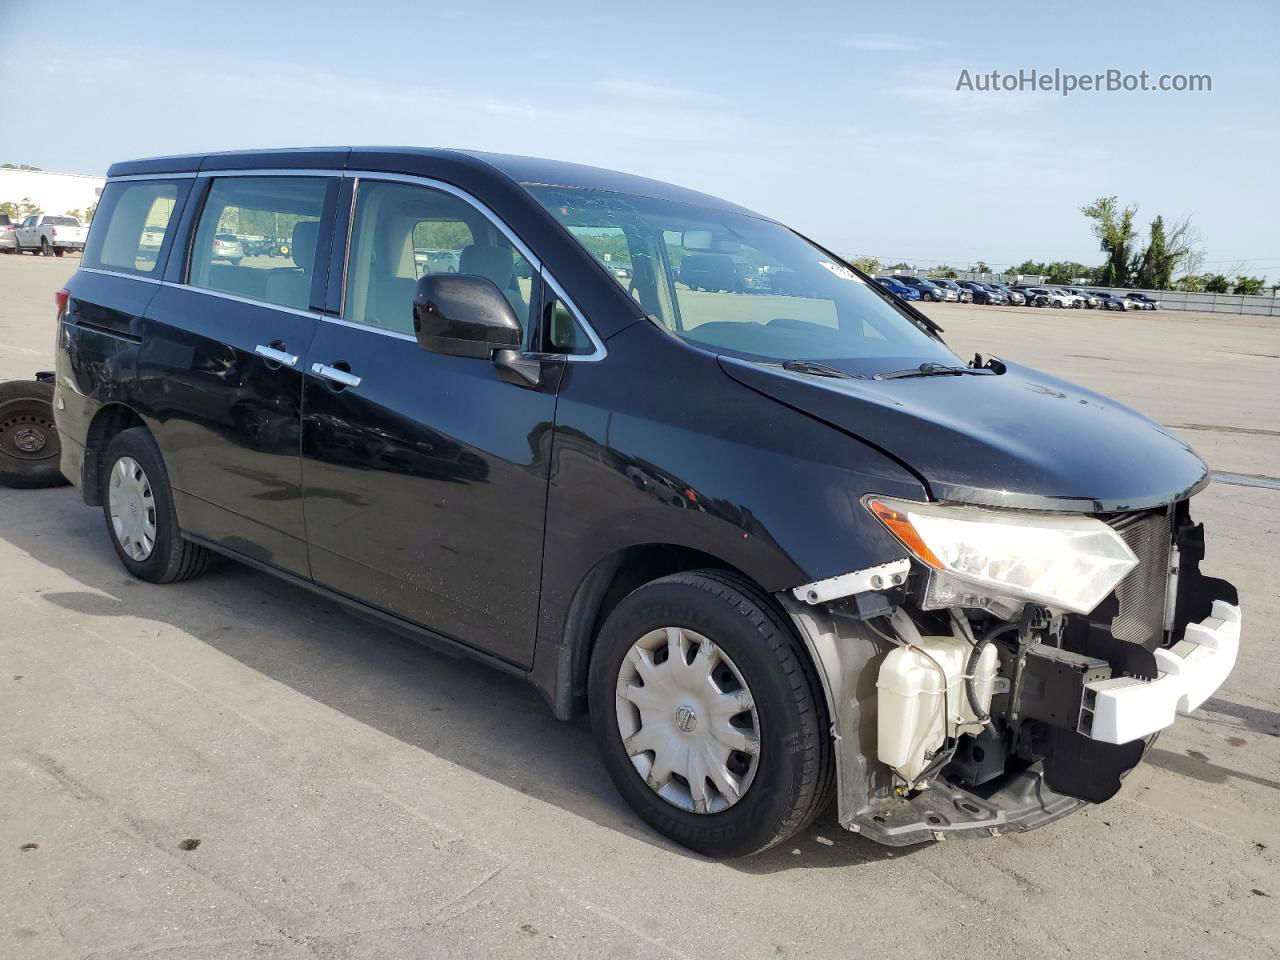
{"x": 29, "y": 448}
{"x": 707, "y": 715}
{"x": 138, "y": 506}
{"x": 45, "y": 249}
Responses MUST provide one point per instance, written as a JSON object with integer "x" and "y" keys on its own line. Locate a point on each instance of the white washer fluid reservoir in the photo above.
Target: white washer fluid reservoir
{"x": 914, "y": 717}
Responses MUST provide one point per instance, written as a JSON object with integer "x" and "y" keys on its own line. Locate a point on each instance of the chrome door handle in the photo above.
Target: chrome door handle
{"x": 336, "y": 375}
{"x": 276, "y": 356}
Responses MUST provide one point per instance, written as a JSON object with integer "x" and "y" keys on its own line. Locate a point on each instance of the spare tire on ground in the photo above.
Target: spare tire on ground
{"x": 29, "y": 447}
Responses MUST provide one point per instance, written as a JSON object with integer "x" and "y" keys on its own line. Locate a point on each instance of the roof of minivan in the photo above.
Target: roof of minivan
{"x": 523, "y": 170}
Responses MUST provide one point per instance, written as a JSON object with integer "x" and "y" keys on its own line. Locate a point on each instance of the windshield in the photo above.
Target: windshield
{"x": 739, "y": 284}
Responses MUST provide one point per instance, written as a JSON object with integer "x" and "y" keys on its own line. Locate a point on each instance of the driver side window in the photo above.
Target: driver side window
{"x": 402, "y": 232}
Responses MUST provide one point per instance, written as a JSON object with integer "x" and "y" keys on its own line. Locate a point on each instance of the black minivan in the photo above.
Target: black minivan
{"x": 779, "y": 548}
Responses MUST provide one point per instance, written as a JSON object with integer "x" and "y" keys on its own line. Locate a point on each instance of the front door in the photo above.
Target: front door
{"x": 425, "y": 476}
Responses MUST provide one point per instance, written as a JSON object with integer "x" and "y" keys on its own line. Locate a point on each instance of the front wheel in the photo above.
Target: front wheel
{"x": 707, "y": 714}
{"x": 138, "y": 506}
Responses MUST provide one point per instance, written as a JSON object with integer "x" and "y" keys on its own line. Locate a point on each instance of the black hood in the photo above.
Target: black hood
{"x": 1017, "y": 439}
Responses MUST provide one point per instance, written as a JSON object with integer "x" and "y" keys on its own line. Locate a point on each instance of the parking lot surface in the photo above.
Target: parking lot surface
{"x": 231, "y": 767}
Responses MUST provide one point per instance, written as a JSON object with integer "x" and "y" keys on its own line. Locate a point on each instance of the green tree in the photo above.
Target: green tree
{"x": 1167, "y": 250}
{"x": 1191, "y": 283}
{"x": 944, "y": 271}
{"x": 980, "y": 267}
{"x": 903, "y": 265}
{"x": 1113, "y": 226}
{"x": 1250, "y": 286}
{"x": 26, "y": 207}
{"x": 1216, "y": 283}
{"x": 85, "y": 216}
{"x": 1067, "y": 271}
{"x": 868, "y": 265}
{"x": 1031, "y": 268}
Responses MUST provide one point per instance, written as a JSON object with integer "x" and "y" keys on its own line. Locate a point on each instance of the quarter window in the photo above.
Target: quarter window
{"x": 402, "y": 232}
{"x": 132, "y": 222}
{"x": 258, "y": 238}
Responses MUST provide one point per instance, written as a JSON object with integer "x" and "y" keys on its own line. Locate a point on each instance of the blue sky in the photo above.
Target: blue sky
{"x": 841, "y": 119}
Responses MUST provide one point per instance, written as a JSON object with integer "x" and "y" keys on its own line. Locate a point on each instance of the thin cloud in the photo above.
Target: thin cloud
{"x": 645, "y": 92}
{"x": 884, "y": 42}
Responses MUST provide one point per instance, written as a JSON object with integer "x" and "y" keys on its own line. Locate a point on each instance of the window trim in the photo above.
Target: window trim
{"x": 172, "y": 233}
{"x": 341, "y": 237}
{"x": 535, "y": 263}
{"x": 204, "y": 185}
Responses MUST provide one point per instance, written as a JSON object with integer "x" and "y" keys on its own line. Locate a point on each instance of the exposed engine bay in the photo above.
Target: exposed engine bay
{"x": 964, "y": 708}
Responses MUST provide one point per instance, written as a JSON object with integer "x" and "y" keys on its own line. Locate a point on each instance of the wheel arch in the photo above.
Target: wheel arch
{"x": 110, "y": 420}
{"x": 561, "y": 661}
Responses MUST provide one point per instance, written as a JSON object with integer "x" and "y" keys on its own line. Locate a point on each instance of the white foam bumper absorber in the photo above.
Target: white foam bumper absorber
{"x": 1125, "y": 709}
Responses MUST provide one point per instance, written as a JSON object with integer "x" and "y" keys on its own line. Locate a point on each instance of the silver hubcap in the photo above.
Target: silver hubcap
{"x": 687, "y": 720}
{"x": 132, "y": 508}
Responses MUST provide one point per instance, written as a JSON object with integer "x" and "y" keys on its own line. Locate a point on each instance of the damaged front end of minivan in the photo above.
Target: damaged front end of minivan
{"x": 1011, "y": 665}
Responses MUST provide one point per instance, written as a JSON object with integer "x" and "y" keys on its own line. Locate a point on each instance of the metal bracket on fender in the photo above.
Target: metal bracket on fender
{"x": 883, "y": 576}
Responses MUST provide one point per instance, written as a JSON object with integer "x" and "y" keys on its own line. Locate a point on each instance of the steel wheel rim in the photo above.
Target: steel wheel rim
{"x": 687, "y": 720}
{"x": 132, "y": 508}
{"x": 26, "y": 431}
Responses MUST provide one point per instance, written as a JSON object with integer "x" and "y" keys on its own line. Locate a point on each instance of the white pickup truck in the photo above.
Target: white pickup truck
{"x": 50, "y": 235}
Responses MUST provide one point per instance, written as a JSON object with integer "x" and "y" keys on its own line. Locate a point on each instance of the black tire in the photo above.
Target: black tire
{"x": 30, "y": 451}
{"x": 795, "y": 777}
{"x": 171, "y": 558}
{"x": 58, "y": 252}
{"x": 45, "y": 249}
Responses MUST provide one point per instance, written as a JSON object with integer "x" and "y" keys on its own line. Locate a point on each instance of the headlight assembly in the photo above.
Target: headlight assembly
{"x": 989, "y": 557}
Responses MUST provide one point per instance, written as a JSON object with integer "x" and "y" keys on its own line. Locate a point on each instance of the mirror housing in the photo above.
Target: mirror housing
{"x": 463, "y": 315}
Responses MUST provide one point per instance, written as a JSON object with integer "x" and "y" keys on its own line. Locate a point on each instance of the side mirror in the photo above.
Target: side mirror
{"x": 462, "y": 315}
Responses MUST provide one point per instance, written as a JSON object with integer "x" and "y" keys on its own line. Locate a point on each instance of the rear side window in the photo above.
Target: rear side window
{"x": 257, "y": 238}
{"x": 61, "y": 222}
{"x": 133, "y": 220}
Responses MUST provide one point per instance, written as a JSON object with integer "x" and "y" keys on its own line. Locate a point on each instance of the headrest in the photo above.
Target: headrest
{"x": 303, "y": 249}
{"x": 496, "y": 263}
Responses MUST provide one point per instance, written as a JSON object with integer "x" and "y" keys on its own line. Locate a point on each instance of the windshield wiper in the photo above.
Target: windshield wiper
{"x": 928, "y": 370}
{"x": 818, "y": 369}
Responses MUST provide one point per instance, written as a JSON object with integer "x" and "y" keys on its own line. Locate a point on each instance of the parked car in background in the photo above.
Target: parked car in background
{"x": 1053, "y": 297}
{"x": 8, "y": 242}
{"x": 50, "y": 235}
{"x": 1145, "y": 302}
{"x": 149, "y": 245}
{"x": 1091, "y": 300}
{"x": 898, "y": 288}
{"x": 1071, "y": 300}
{"x": 1035, "y": 296}
{"x": 963, "y": 295}
{"x": 436, "y": 261}
{"x": 1015, "y": 297}
{"x": 227, "y": 247}
{"x": 928, "y": 289}
{"x": 982, "y": 293}
{"x": 1109, "y": 301}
